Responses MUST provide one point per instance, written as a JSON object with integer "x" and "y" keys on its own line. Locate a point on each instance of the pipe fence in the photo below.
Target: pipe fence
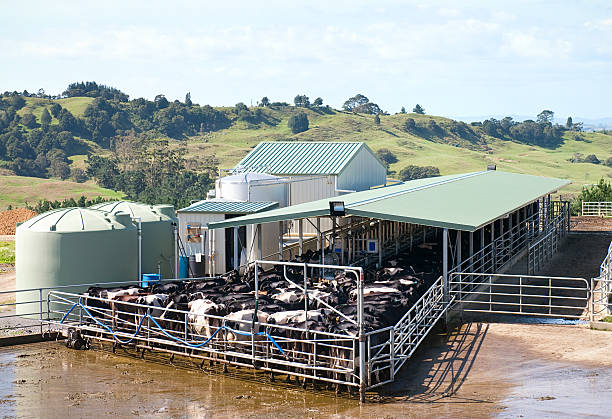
{"x": 597, "y": 209}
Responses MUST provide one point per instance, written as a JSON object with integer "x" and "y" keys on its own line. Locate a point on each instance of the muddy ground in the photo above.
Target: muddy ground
{"x": 591, "y": 224}
{"x": 481, "y": 370}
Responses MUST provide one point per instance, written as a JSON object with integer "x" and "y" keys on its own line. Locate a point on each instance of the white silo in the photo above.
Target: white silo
{"x": 253, "y": 187}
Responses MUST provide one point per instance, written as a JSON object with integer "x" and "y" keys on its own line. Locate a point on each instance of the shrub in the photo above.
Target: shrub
{"x": 412, "y": 172}
{"x": 298, "y": 123}
{"x": 386, "y": 156}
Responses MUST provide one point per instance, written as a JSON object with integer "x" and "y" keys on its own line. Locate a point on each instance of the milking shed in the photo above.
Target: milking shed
{"x": 482, "y": 221}
{"x": 350, "y": 318}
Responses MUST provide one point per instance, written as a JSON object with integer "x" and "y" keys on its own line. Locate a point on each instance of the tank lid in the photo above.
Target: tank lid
{"x": 145, "y": 212}
{"x": 77, "y": 219}
{"x": 248, "y": 177}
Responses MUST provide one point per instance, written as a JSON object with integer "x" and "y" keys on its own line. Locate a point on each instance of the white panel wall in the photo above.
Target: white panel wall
{"x": 192, "y": 248}
{"x": 270, "y": 236}
{"x": 308, "y": 189}
{"x": 363, "y": 172}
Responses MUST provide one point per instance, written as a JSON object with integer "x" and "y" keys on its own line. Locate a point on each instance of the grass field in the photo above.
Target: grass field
{"x": 17, "y": 190}
{"x": 450, "y": 154}
{"x": 76, "y": 106}
{"x": 7, "y": 251}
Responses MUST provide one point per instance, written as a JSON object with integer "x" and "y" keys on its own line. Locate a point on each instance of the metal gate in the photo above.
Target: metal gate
{"x": 547, "y": 296}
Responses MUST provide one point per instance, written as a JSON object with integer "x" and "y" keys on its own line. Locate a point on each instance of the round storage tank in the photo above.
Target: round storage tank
{"x": 157, "y": 233}
{"x": 254, "y": 187}
{"x": 73, "y": 246}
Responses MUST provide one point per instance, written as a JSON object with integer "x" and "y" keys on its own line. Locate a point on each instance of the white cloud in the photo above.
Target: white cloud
{"x": 601, "y": 24}
{"x": 532, "y": 45}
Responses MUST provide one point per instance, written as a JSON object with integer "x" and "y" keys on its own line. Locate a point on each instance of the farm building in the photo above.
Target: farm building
{"x": 274, "y": 174}
{"x": 347, "y": 167}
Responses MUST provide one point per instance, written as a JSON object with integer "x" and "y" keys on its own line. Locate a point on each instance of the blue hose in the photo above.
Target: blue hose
{"x": 161, "y": 329}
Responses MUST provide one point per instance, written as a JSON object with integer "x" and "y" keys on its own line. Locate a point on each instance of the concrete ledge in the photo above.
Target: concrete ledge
{"x": 601, "y": 325}
{"x": 32, "y": 338}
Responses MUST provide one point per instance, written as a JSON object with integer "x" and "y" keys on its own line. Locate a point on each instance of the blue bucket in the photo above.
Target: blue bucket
{"x": 149, "y": 279}
{"x": 183, "y": 267}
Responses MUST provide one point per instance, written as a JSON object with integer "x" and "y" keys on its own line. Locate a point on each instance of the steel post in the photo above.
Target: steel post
{"x": 301, "y": 235}
{"x": 459, "y": 246}
{"x": 380, "y": 244}
{"x": 445, "y": 263}
{"x": 176, "y": 255}
{"x": 362, "y": 339}
{"x": 280, "y": 240}
{"x": 259, "y": 243}
{"x": 236, "y": 252}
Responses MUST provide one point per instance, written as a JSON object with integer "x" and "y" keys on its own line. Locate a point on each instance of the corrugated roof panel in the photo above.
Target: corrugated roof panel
{"x": 463, "y": 202}
{"x": 229, "y": 207}
{"x": 298, "y": 158}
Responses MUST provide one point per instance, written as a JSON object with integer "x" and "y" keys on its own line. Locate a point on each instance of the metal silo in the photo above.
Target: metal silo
{"x": 157, "y": 223}
{"x": 73, "y": 246}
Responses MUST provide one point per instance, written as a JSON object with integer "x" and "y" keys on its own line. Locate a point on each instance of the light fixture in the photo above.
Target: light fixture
{"x": 336, "y": 208}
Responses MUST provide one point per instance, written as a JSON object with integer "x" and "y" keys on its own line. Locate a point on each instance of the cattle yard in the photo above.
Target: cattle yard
{"x": 347, "y": 309}
{"x": 348, "y": 327}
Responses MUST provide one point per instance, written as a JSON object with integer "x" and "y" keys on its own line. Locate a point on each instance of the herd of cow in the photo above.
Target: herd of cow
{"x": 223, "y": 314}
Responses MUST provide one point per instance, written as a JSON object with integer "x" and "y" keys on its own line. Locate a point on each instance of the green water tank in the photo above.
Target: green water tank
{"x": 73, "y": 246}
{"x": 157, "y": 233}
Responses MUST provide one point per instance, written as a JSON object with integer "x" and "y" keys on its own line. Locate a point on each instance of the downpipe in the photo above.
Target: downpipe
{"x": 138, "y": 222}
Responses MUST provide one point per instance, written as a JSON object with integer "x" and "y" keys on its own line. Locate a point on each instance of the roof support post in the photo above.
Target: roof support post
{"x": 259, "y": 243}
{"x": 176, "y": 251}
{"x": 280, "y": 240}
{"x": 396, "y": 236}
{"x": 380, "y": 243}
{"x": 236, "y": 253}
{"x": 471, "y": 251}
{"x": 445, "y": 264}
{"x": 458, "y": 246}
{"x": 301, "y": 235}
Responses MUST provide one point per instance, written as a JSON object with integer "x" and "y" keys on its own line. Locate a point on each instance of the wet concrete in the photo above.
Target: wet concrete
{"x": 479, "y": 370}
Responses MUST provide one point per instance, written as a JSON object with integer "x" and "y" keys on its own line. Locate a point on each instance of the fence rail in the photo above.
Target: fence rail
{"x": 597, "y": 209}
{"x": 602, "y": 287}
{"x": 561, "y": 297}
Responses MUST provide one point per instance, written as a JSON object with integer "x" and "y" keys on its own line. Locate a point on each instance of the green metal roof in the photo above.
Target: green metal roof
{"x": 462, "y": 202}
{"x": 229, "y": 207}
{"x": 299, "y": 158}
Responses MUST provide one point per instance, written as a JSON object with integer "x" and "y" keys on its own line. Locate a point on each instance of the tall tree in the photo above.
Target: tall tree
{"x": 298, "y": 123}
{"x": 354, "y": 102}
{"x": 570, "y": 123}
{"x": 545, "y": 117}
{"x": 403, "y": 110}
{"x": 45, "y": 117}
{"x": 302, "y": 101}
{"x": 265, "y": 102}
{"x": 188, "y": 101}
{"x": 419, "y": 109}
{"x": 318, "y": 102}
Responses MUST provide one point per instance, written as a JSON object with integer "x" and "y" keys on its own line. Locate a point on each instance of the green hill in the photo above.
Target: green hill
{"x": 19, "y": 190}
{"x": 449, "y": 152}
{"x": 223, "y": 135}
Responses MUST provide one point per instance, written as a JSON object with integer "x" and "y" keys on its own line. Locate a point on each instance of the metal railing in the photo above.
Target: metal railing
{"x": 561, "y": 297}
{"x": 542, "y": 249}
{"x": 602, "y": 287}
{"x": 311, "y": 354}
{"x": 597, "y": 209}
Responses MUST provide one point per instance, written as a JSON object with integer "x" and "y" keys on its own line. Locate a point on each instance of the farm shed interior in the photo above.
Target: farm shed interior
{"x": 389, "y": 261}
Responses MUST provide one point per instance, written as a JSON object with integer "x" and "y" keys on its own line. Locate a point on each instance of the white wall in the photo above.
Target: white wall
{"x": 270, "y": 235}
{"x": 363, "y": 172}
{"x": 185, "y": 218}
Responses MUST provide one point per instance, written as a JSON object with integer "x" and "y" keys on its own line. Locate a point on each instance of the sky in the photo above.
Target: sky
{"x": 455, "y": 58}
